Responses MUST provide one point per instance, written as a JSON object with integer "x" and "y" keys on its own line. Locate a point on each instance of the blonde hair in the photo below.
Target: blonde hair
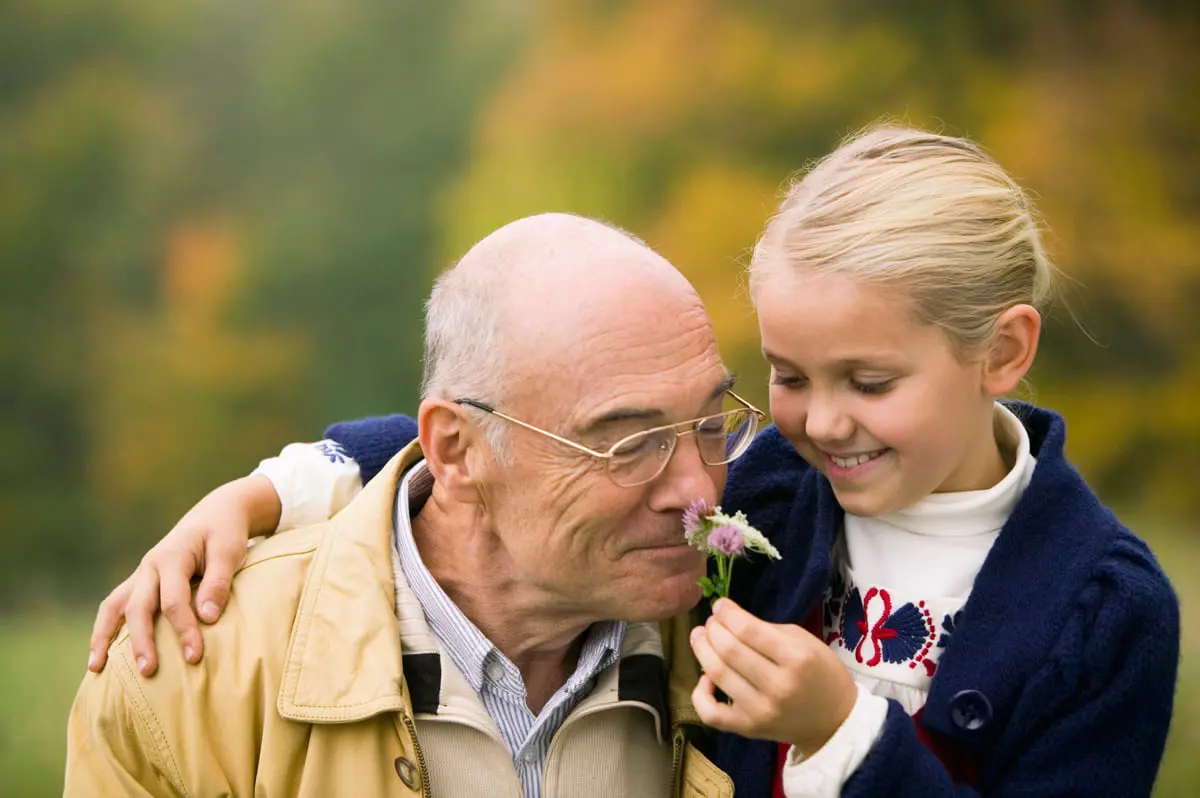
{"x": 931, "y": 215}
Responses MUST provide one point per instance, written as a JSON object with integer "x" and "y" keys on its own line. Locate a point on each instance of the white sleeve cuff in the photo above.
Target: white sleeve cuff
{"x": 829, "y": 768}
{"x": 314, "y": 482}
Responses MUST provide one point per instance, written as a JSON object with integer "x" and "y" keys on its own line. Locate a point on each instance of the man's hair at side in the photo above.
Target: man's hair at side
{"x": 465, "y": 355}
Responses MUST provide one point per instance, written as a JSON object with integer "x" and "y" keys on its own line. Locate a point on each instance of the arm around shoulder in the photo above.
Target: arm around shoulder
{"x": 373, "y": 441}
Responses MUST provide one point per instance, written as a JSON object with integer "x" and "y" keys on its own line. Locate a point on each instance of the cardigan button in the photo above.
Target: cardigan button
{"x": 970, "y": 711}
{"x": 407, "y": 772}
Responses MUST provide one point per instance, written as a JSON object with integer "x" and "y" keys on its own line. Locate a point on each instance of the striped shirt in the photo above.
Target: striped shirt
{"x": 493, "y": 677}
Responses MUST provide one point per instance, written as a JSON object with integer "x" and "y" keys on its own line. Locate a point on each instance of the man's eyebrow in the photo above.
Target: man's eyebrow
{"x": 724, "y": 386}
{"x": 623, "y": 414}
{"x": 652, "y": 414}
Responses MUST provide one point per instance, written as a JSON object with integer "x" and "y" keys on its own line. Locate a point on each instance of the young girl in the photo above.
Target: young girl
{"x": 1003, "y": 629}
{"x": 955, "y": 612}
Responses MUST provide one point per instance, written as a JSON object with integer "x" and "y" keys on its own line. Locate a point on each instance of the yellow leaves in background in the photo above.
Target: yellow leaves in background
{"x": 183, "y": 397}
{"x": 681, "y": 120}
{"x": 200, "y": 266}
{"x": 730, "y": 207}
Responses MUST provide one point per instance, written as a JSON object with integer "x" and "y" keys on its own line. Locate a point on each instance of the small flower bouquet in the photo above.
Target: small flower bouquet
{"x": 724, "y": 538}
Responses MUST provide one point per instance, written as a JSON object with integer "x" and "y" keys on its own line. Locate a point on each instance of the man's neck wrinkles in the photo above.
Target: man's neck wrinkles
{"x": 467, "y": 561}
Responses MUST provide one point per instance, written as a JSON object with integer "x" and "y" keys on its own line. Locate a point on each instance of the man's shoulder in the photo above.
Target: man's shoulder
{"x": 288, "y": 550}
{"x": 197, "y": 724}
{"x": 248, "y": 643}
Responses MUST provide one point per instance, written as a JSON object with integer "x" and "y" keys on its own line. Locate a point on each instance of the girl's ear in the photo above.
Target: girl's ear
{"x": 1014, "y": 345}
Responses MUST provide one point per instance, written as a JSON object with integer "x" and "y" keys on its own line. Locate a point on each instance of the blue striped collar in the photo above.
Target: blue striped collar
{"x": 468, "y": 648}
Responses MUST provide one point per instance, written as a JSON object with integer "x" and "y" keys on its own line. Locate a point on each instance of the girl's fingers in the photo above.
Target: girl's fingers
{"x": 748, "y": 663}
{"x": 139, "y": 619}
{"x": 771, "y": 640}
{"x": 108, "y": 620}
{"x": 714, "y": 713}
{"x": 719, "y": 672}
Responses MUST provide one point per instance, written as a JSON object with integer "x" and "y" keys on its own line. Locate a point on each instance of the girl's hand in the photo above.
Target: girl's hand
{"x": 783, "y": 683}
{"x": 209, "y": 541}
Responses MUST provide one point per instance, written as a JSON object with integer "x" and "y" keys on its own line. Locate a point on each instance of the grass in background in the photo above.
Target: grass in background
{"x": 42, "y": 661}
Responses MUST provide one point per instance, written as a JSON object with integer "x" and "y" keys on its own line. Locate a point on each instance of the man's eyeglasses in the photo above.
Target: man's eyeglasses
{"x": 638, "y": 458}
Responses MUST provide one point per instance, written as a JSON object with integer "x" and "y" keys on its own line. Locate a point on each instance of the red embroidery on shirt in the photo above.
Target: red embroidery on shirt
{"x": 897, "y": 636}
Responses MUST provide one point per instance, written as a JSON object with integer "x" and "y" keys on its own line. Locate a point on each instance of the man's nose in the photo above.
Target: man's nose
{"x": 687, "y": 477}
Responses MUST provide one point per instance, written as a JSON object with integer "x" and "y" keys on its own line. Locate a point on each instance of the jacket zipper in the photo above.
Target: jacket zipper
{"x": 412, "y": 734}
{"x": 677, "y": 743}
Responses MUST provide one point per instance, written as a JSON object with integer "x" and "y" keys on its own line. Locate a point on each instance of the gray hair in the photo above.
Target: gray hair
{"x": 465, "y": 355}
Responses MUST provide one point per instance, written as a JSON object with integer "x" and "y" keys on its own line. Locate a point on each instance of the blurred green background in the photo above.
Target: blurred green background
{"x": 219, "y": 219}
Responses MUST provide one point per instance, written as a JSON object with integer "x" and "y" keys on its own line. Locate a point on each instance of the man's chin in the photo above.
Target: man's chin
{"x": 675, "y": 596}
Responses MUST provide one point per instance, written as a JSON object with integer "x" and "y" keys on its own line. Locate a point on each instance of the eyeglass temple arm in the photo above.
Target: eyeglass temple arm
{"x": 565, "y": 441}
{"x": 761, "y": 415}
{"x": 477, "y": 405}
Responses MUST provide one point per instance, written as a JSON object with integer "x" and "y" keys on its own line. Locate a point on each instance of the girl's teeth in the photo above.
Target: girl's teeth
{"x": 850, "y": 462}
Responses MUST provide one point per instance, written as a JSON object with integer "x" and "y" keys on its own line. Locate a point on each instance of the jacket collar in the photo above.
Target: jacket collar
{"x": 360, "y": 644}
{"x": 343, "y": 661}
{"x": 436, "y": 688}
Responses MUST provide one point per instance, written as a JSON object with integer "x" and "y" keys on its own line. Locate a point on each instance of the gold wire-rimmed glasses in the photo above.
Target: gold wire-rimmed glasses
{"x": 639, "y": 458}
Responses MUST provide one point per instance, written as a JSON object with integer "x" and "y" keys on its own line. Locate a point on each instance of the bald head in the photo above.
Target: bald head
{"x": 536, "y": 242}
{"x": 524, "y": 302}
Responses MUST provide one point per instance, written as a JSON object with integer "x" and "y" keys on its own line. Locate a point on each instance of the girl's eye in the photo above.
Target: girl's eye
{"x": 787, "y": 381}
{"x": 872, "y": 388}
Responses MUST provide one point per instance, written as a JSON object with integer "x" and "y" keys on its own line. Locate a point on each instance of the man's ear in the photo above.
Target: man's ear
{"x": 1014, "y": 345}
{"x": 452, "y": 446}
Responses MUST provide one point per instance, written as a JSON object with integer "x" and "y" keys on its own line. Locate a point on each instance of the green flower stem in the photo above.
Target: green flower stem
{"x": 724, "y": 574}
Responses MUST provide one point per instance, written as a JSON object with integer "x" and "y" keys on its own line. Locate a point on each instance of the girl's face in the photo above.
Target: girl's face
{"x": 874, "y": 399}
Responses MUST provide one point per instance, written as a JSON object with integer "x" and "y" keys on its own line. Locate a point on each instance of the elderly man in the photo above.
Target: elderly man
{"x": 482, "y": 619}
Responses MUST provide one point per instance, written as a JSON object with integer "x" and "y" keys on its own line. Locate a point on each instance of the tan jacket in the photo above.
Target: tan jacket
{"x": 355, "y": 697}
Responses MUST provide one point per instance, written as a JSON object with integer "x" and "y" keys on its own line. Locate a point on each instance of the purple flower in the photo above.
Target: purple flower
{"x": 727, "y": 540}
{"x": 693, "y": 516}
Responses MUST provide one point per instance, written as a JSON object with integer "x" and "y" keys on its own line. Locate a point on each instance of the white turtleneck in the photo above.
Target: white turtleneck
{"x": 900, "y": 580}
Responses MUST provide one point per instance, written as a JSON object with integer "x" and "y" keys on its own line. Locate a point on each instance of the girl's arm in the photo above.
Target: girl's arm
{"x": 305, "y": 484}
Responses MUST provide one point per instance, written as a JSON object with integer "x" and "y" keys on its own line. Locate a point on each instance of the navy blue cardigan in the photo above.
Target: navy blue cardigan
{"x": 1059, "y": 678}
